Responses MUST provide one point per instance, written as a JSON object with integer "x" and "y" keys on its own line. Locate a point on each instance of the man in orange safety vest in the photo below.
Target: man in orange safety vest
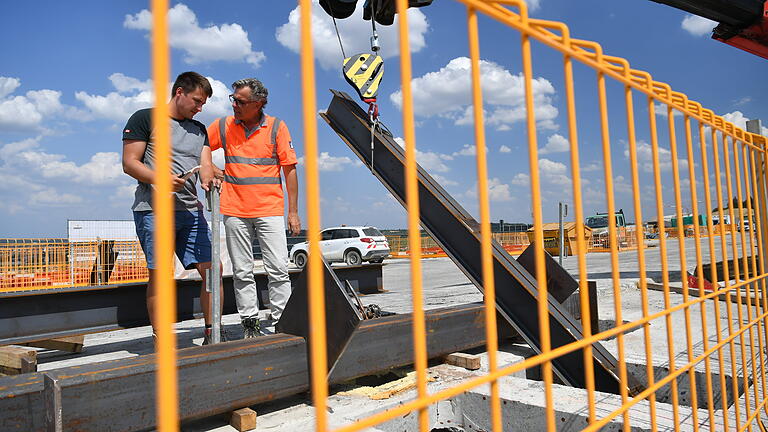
{"x": 257, "y": 147}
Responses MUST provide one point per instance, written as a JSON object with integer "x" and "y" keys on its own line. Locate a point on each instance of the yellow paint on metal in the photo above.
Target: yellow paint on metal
{"x": 316, "y": 288}
{"x": 749, "y": 324}
{"x": 364, "y": 72}
{"x": 489, "y": 287}
{"x": 165, "y": 286}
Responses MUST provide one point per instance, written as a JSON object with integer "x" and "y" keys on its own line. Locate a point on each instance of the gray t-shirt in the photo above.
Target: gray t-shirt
{"x": 188, "y": 138}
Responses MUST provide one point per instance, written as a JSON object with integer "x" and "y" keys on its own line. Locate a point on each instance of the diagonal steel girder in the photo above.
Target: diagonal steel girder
{"x": 458, "y": 233}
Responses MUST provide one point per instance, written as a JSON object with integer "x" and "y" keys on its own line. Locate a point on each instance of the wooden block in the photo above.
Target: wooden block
{"x": 467, "y": 361}
{"x": 16, "y": 360}
{"x": 72, "y": 344}
{"x": 243, "y": 419}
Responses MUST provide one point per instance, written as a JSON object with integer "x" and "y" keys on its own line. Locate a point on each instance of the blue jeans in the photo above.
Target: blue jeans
{"x": 193, "y": 239}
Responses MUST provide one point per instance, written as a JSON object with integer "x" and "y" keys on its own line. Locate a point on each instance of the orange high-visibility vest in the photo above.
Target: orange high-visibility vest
{"x": 252, "y": 184}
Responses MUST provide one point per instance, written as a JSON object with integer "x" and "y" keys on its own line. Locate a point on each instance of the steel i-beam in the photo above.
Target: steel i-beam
{"x": 119, "y": 395}
{"x": 458, "y": 233}
{"x": 46, "y": 314}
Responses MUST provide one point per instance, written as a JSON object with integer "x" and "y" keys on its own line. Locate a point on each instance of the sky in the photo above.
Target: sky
{"x": 73, "y": 72}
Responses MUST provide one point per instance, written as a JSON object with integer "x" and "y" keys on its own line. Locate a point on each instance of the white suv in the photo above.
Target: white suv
{"x": 351, "y": 245}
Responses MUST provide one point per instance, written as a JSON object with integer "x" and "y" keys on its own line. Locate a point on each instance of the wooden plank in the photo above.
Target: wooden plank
{"x": 693, "y": 292}
{"x": 16, "y": 360}
{"x": 243, "y": 419}
{"x": 467, "y": 361}
{"x": 72, "y": 344}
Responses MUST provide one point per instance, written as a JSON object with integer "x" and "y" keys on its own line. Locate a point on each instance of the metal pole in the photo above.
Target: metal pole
{"x": 754, "y": 126}
{"x": 98, "y": 261}
{"x": 213, "y": 276}
{"x": 215, "y": 267}
{"x": 71, "y": 263}
{"x": 562, "y": 234}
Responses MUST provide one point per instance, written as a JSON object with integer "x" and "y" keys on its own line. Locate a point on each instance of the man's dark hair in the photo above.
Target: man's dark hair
{"x": 190, "y": 81}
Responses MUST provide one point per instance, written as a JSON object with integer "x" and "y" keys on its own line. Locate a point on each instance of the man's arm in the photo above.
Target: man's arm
{"x": 206, "y": 169}
{"x": 133, "y": 153}
{"x": 292, "y": 187}
{"x": 215, "y": 142}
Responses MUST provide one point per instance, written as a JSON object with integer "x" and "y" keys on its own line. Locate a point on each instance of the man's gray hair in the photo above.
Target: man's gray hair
{"x": 258, "y": 91}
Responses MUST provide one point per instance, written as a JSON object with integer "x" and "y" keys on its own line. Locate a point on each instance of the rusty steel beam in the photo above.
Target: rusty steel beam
{"x": 458, "y": 233}
{"x": 29, "y": 316}
{"x": 118, "y": 395}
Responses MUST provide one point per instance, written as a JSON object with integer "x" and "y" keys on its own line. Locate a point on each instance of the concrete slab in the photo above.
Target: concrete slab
{"x": 523, "y": 409}
{"x": 444, "y": 285}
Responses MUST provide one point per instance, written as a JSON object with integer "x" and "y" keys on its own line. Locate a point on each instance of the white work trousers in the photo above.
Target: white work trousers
{"x": 270, "y": 231}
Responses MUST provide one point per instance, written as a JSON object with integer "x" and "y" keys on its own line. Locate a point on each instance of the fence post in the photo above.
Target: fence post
{"x": 98, "y": 261}
{"x": 753, "y": 126}
{"x": 71, "y": 263}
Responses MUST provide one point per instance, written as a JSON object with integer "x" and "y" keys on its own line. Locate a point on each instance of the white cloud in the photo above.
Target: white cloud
{"x": 326, "y": 162}
{"x": 9, "y": 151}
{"x": 661, "y": 110}
{"x": 53, "y": 198}
{"x": 555, "y": 144}
{"x": 217, "y": 105}
{"x": 698, "y": 26}
{"x": 533, "y": 5}
{"x": 430, "y": 161}
{"x": 467, "y": 150}
{"x": 521, "y": 179}
{"x": 444, "y": 181}
{"x": 503, "y": 95}
{"x": 621, "y": 186}
{"x": 433, "y": 162}
{"x": 125, "y": 84}
{"x": 739, "y": 119}
{"x": 554, "y": 172}
{"x": 355, "y": 34}
{"x": 227, "y": 42}
{"x": 594, "y": 166}
{"x": 133, "y": 94}
{"x": 8, "y": 85}
{"x": 52, "y": 180}
{"x": 28, "y": 112}
{"x": 742, "y": 101}
{"x": 645, "y": 158}
{"x": 27, "y": 160}
{"x": 505, "y": 149}
{"x": 497, "y": 191}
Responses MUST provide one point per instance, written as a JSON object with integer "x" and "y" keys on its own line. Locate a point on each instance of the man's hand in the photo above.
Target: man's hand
{"x": 177, "y": 183}
{"x": 294, "y": 224}
{"x": 208, "y": 170}
{"x": 206, "y": 178}
{"x": 218, "y": 174}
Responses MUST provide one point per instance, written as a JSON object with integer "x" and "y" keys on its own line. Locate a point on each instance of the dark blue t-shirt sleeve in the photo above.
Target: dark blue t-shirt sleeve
{"x": 139, "y": 126}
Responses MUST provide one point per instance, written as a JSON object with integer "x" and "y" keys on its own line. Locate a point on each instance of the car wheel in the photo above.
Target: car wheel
{"x": 353, "y": 258}
{"x": 300, "y": 259}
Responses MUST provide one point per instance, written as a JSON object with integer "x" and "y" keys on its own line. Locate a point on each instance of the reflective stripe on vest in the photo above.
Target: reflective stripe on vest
{"x": 274, "y": 160}
{"x": 251, "y": 180}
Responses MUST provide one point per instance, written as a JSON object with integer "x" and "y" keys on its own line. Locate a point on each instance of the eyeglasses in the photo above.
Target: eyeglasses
{"x": 239, "y": 102}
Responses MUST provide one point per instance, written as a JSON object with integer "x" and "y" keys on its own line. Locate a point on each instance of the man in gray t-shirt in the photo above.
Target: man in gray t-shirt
{"x": 190, "y": 149}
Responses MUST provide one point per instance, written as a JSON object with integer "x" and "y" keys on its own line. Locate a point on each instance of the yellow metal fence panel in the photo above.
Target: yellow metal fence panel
{"x": 737, "y": 285}
{"x": 735, "y": 300}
